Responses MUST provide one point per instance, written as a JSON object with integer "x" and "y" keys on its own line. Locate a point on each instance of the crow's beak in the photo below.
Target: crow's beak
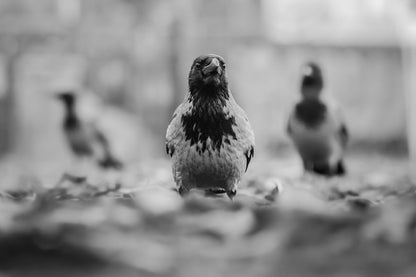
{"x": 214, "y": 66}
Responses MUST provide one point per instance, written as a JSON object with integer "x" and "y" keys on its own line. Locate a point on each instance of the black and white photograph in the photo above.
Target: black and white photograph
{"x": 209, "y": 138}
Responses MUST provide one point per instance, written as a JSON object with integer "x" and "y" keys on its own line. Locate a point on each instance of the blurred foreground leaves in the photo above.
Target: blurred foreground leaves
{"x": 306, "y": 226}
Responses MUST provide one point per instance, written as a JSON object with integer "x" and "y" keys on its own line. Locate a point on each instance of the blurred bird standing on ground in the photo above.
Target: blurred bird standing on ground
{"x": 317, "y": 127}
{"x": 84, "y": 138}
{"x": 209, "y": 138}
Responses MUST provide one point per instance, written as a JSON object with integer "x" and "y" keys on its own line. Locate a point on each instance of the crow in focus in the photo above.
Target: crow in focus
{"x": 209, "y": 139}
{"x": 84, "y": 138}
{"x": 317, "y": 128}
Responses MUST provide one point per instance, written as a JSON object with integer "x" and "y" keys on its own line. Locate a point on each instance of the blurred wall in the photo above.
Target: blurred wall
{"x": 136, "y": 55}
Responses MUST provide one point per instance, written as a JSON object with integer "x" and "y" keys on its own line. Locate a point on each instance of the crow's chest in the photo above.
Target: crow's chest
{"x": 208, "y": 129}
{"x": 210, "y": 167}
{"x": 311, "y": 113}
{"x": 78, "y": 139}
{"x": 209, "y": 150}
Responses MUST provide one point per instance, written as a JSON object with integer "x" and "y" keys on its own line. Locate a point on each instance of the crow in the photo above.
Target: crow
{"x": 209, "y": 139}
{"x": 84, "y": 138}
{"x": 317, "y": 127}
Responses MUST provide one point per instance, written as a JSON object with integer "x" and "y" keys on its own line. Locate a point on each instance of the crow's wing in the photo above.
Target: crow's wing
{"x": 97, "y": 139}
{"x": 343, "y": 134}
{"x": 249, "y": 155}
{"x": 244, "y": 132}
{"x": 175, "y": 129}
{"x": 341, "y": 125}
{"x": 289, "y": 124}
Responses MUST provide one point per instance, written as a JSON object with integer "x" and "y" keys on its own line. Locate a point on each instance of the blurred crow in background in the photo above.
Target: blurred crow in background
{"x": 317, "y": 127}
{"x": 84, "y": 138}
{"x": 209, "y": 138}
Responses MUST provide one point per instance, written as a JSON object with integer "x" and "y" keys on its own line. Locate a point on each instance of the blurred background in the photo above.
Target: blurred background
{"x": 128, "y": 60}
{"x": 134, "y": 57}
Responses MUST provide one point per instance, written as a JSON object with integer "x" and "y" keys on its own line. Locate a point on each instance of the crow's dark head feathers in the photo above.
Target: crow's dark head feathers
{"x": 312, "y": 80}
{"x": 67, "y": 97}
{"x": 207, "y": 77}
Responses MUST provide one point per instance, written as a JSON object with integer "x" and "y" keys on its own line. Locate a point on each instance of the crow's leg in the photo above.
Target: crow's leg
{"x": 182, "y": 190}
{"x": 323, "y": 169}
{"x": 340, "y": 168}
{"x": 232, "y": 192}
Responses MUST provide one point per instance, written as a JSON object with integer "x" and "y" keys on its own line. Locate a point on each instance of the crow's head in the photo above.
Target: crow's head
{"x": 312, "y": 81}
{"x": 207, "y": 76}
{"x": 67, "y": 97}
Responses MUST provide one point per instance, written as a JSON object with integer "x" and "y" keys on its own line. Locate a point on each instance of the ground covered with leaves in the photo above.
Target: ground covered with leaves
{"x": 282, "y": 223}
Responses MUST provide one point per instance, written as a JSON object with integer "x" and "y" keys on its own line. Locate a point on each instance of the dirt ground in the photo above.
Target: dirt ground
{"x": 282, "y": 222}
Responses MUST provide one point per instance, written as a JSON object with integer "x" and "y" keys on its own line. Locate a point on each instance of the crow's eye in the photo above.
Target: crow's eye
{"x": 197, "y": 65}
{"x": 223, "y": 65}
